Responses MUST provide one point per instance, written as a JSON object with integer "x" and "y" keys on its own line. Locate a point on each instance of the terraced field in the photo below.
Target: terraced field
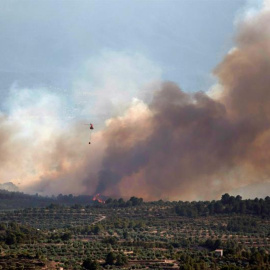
{"x": 148, "y": 236}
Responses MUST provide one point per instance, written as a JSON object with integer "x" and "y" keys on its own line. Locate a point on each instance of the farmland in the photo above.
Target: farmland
{"x": 135, "y": 235}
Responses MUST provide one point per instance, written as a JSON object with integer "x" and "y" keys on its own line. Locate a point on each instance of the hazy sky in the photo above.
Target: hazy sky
{"x": 49, "y": 42}
{"x": 66, "y": 63}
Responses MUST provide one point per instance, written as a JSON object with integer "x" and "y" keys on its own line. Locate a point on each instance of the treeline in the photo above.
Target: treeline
{"x": 227, "y": 205}
{"x": 19, "y": 200}
{"x": 133, "y": 201}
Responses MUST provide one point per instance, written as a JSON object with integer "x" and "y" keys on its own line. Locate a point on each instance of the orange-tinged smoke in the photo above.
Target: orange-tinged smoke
{"x": 178, "y": 146}
{"x": 197, "y": 147}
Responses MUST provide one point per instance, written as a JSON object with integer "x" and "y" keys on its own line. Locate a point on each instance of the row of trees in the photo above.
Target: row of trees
{"x": 243, "y": 224}
{"x": 133, "y": 201}
{"x": 227, "y": 205}
{"x": 112, "y": 258}
{"x": 13, "y": 233}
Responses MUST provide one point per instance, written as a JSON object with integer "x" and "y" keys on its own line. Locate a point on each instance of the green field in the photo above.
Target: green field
{"x": 153, "y": 235}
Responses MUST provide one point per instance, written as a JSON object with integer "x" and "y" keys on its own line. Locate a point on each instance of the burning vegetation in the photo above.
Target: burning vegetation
{"x": 98, "y": 198}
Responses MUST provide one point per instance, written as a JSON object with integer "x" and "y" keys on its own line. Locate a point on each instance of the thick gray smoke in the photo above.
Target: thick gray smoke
{"x": 198, "y": 147}
{"x": 177, "y": 146}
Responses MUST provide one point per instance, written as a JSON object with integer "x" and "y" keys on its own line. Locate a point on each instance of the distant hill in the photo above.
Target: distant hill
{"x": 9, "y": 186}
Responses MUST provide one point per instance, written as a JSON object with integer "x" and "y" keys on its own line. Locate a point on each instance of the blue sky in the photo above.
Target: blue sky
{"x": 47, "y": 43}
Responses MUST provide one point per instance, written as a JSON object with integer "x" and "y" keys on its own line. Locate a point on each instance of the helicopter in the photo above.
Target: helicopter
{"x": 91, "y": 127}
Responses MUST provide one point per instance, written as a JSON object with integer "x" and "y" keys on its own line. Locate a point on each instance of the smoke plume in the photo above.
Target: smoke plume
{"x": 191, "y": 146}
{"x": 177, "y": 146}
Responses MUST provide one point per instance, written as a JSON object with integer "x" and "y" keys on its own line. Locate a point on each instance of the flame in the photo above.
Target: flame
{"x": 98, "y": 199}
